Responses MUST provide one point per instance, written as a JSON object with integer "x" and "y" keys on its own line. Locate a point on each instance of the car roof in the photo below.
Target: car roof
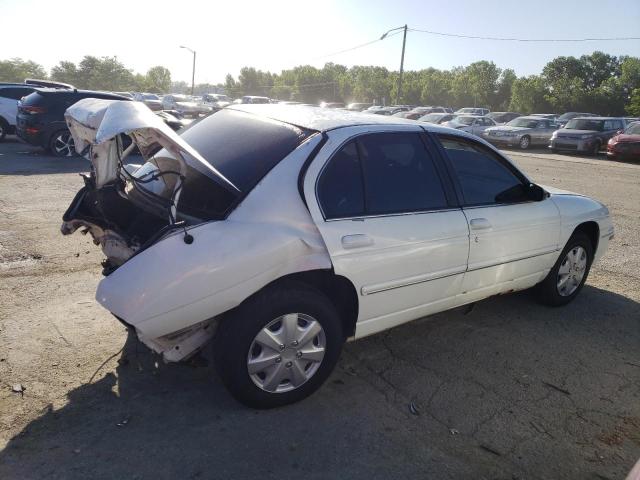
{"x": 317, "y": 118}
{"x": 598, "y": 118}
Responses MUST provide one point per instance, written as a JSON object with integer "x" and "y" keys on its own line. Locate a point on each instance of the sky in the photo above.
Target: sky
{"x": 275, "y": 35}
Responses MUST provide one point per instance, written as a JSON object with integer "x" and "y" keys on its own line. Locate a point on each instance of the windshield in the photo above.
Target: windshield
{"x": 523, "y": 122}
{"x": 150, "y": 96}
{"x": 585, "y": 124}
{"x": 633, "y": 129}
{"x": 464, "y": 120}
{"x": 568, "y": 116}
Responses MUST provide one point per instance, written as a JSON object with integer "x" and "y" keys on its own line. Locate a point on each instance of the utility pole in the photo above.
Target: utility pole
{"x": 404, "y": 41}
{"x": 193, "y": 69}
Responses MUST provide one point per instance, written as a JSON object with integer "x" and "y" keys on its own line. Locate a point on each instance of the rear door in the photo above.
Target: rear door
{"x": 388, "y": 217}
{"x": 514, "y": 241}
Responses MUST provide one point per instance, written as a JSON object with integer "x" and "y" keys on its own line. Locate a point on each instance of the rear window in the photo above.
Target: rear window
{"x": 241, "y": 146}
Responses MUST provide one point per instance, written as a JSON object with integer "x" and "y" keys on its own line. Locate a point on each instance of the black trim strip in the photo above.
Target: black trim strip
{"x": 305, "y": 166}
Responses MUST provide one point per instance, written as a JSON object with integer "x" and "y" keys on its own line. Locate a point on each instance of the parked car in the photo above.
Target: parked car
{"x": 10, "y": 94}
{"x": 473, "y": 124}
{"x": 151, "y": 100}
{"x": 185, "y": 105}
{"x": 388, "y": 110}
{"x": 523, "y": 132}
{"x": 358, "y": 107}
{"x": 565, "y": 117}
{"x": 502, "y": 118}
{"x": 254, "y": 99}
{"x": 410, "y": 115}
{"x": 40, "y": 118}
{"x": 585, "y": 134}
{"x": 473, "y": 111}
{"x": 437, "y": 118}
{"x": 281, "y": 275}
{"x": 548, "y": 116}
{"x": 626, "y": 144}
{"x": 426, "y": 110}
{"x": 216, "y": 100}
{"x": 128, "y": 95}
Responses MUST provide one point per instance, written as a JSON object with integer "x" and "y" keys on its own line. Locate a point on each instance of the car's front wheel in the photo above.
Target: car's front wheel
{"x": 525, "y": 142}
{"x": 278, "y": 346}
{"x": 570, "y": 272}
{"x": 61, "y": 144}
{"x": 4, "y": 127}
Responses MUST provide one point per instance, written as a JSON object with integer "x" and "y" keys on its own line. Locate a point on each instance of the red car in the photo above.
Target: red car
{"x": 626, "y": 144}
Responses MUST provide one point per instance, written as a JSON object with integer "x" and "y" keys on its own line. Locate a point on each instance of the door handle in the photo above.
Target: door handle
{"x": 357, "y": 240}
{"x": 480, "y": 224}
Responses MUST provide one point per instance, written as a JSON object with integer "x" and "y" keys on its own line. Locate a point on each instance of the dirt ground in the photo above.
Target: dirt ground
{"x": 512, "y": 390}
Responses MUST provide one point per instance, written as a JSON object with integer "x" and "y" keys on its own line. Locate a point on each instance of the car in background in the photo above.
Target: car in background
{"x": 388, "y": 111}
{"x": 254, "y": 99}
{"x": 502, "y": 118}
{"x": 410, "y": 115}
{"x": 358, "y": 107}
{"x": 151, "y": 100}
{"x": 40, "y": 118}
{"x": 522, "y": 132}
{"x": 588, "y": 134}
{"x": 437, "y": 118}
{"x": 548, "y": 116}
{"x": 128, "y": 95}
{"x": 473, "y": 124}
{"x": 473, "y": 111}
{"x": 331, "y": 105}
{"x": 10, "y": 94}
{"x": 216, "y": 100}
{"x": 426, "y": 110}
{"x": 626, "y": 144}
{"x": 184, "y": 104}
{"x": 565, "y": 117}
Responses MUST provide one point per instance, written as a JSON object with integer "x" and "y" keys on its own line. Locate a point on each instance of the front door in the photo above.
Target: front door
{"x": 513, "y": 241}
{"x": 390, "y": 223}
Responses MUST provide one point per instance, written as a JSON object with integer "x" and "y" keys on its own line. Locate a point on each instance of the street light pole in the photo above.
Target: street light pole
{"x": 404, "y": 41}
{"x": 193, "y": 70}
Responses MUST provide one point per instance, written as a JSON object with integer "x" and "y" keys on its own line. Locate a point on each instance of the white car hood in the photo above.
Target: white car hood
{"x": 96, "y": 123}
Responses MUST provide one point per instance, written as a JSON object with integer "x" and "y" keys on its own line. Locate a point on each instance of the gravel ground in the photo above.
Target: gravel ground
{"x": 510, "y": 390}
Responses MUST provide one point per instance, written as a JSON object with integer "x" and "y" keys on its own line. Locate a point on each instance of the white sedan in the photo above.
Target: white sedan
{"x": 278, "y": 232}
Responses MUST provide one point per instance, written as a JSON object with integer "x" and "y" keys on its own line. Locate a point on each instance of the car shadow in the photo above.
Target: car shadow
{"x": 146, "y": 419}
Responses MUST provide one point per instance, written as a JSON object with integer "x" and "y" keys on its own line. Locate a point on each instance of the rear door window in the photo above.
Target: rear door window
{"x": 340, "y": 187}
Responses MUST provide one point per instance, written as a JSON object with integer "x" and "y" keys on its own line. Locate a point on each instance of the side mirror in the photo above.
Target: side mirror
{"x": 535, "y": 192}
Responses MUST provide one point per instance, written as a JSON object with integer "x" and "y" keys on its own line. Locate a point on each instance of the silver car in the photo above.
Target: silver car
{"x": 522, "y": 132}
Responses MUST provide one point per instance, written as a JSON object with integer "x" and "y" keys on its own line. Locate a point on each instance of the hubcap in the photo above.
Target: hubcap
{"x": 571, "y": 271}
{"x": 63, "y": 145}
{"x": 524, "y": 142}
{"x": 286, "y": 353}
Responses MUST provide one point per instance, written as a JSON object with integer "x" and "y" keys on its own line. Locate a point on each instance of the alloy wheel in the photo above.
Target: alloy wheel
{"x": 571, "y": 271}
{"x": 286, "y": 353}
{"x": 63, "y": 145}
{"x": 524, "y": 142}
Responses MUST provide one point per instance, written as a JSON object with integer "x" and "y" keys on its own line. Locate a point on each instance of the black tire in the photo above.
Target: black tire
{"x": 547, "y": 290}
{"x": 525, "y": 142}
{"x": 4, "y": 128}
{"x": 56, "y": 144}
{"x": 239, "y": 328}
{"x": 596, "y": 148}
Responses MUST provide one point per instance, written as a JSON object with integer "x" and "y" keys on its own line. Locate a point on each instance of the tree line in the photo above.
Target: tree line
{"x": 598, "y": 83}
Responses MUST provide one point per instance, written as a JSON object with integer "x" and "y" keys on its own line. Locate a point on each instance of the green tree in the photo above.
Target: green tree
{"x": 633, "y": 108}
{"x": 528, "y": 95}
{"x": 158, "y": 79}
{"x": 17, "y": 70}
{"x": 65, "y": 72}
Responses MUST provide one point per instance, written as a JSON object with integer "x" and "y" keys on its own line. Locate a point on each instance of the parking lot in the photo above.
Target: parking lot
{"x": 509, "y": 390}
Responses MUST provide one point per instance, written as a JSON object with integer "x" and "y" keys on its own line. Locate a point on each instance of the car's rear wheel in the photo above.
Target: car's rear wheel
{"x": 570, "y": 272}
{"x": 278, "y": 346}
{"x": 61, "y": 144}
{"x": 4, "y": 128}
{"x": 525, "y": 142}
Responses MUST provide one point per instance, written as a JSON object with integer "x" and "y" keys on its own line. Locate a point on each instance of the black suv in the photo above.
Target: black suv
{"x": 41, "y": 121}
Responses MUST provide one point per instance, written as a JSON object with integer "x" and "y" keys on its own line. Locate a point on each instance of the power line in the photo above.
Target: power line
{"x": 509, "y": 39}
{"x": 357, "y": 46}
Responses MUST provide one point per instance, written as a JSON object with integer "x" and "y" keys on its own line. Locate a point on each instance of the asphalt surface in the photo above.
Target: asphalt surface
{"x": 510, "y": 390}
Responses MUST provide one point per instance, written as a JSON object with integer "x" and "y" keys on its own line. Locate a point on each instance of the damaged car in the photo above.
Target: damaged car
{"x": 276, "y": 233}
